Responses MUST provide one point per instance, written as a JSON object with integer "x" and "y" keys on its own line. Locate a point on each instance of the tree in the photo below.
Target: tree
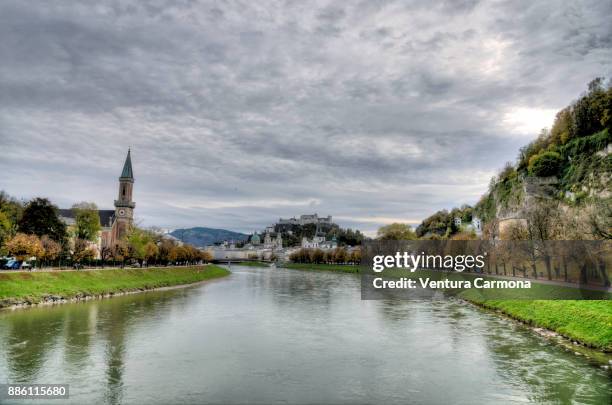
{"x": 545, "y": 164}
{"x": 87, "y": 221}
{"x": 599, "y": 217}
{"x": 11, "y": 207}
{"x": 355, "y": 256}
{"x": 543, "y": 224}
{"x": 40, "y": 217}
{"x": 106, "y": 253}
{"x": 82, "y": 250}
{"x": 150, "y": 252}
{"x": 340, "y": 256}
{"x": 396, "y": 231}
{"x": 5, "y": 230}
{"x": 51, "y": 249}
{"x": 120, "y": 252}
{"x": 137, "y": 241}
{"x": 207, "y": 256}
{"x": 317, "y": 256}
{"x": 24, "y": 246}
{"x": 464, "y": 235}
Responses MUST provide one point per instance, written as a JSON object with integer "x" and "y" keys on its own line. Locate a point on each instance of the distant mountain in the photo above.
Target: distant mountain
{"x": 200, "y": 236}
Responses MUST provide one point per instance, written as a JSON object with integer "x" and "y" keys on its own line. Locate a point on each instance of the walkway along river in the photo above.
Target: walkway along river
{"x": 266, "y": 335}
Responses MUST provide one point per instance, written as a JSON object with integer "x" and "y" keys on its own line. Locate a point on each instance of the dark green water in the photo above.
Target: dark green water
{"x": 287, "y": 336}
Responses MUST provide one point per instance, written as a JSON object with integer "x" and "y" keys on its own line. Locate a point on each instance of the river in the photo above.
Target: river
{"x": 287, "y": 336}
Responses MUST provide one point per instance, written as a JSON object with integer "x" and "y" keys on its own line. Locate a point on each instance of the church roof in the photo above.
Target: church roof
{"x": 106, "y": 216}
{"x": 127, "y": 172}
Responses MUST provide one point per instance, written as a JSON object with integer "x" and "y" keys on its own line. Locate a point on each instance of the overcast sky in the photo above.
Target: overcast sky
{"x": 238, "y": 112}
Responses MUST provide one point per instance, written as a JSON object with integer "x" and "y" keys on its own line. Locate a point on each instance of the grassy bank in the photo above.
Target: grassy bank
{"x": 36, "y": 287}
{"x": 341, "y": 268}
{"x": 586, "y": 321}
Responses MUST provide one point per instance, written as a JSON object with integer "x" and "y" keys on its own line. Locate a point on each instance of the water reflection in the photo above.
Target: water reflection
{"x": 29, "y": 341}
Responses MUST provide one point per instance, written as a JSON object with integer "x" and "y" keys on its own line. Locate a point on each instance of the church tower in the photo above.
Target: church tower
{"x": 124, "y": 206}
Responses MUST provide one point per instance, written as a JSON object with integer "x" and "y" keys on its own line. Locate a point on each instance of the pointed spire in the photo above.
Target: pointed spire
{"x": 127, "y": 168}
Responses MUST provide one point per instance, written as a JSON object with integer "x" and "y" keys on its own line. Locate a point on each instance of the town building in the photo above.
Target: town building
{"x": 319, "y": 241}
{"x": 475, "y": 225}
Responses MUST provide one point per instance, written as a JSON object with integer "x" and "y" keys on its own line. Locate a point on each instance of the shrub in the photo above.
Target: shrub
{"x": 545, "y": 164}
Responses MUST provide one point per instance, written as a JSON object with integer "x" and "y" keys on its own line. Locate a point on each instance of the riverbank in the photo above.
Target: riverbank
{"x": 340, "y": 268}
{"x": 252, "y": 264}
{"x": 24, "y": 289}
{"x": 588, "y": 322}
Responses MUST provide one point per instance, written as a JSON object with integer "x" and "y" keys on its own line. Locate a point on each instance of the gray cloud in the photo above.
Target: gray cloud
{"x": 238, "y": 113}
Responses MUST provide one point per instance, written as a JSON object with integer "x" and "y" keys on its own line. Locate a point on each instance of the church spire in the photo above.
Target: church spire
{"x": 127, "y": 168}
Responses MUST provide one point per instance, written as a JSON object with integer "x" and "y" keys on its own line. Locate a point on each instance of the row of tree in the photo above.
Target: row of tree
{"x": 41, "y": 218}
{"x": 318, "y": 256}
{"x": 35, "y": 229}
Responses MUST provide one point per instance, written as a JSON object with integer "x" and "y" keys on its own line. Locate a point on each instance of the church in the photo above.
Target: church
{"x": 118, "y": 222}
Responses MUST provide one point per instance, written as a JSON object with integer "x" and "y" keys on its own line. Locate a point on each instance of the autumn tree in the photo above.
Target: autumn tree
{"x": 24, "y": 246}
{"x": 120, "y": 252}
{"x": 82, "y": 250}
{"x": 150, "y": 252}
{"x": 317, "y": 256}
{"x": 207, "y": 256}
{"x": 51, "y": 249}
{"x": 355, "y": 256}
{"x": 340, "y": 255}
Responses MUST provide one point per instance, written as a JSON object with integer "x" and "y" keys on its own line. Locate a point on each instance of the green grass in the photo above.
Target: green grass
{"x": 586, "y": 321}
{"x": 341, "y": 268}
{"x": 252, "y": 264}
{"x": 34, "y": 287}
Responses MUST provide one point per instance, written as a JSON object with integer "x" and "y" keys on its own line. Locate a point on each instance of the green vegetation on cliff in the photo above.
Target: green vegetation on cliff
{"x": 571, "y": 164}
{"x": 35, "y": 287}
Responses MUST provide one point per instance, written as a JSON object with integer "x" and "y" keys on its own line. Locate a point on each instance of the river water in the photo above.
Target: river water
{"x": 287, "y": 336}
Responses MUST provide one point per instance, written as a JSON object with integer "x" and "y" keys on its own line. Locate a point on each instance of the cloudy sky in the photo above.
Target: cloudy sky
{"x": 238, "y": 112}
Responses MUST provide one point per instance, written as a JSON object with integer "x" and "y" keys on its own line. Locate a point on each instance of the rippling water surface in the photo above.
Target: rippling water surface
{"x": 287, "y": 336}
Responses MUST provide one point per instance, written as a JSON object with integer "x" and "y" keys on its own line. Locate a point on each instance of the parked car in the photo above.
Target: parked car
{"x": 12, "y": 264}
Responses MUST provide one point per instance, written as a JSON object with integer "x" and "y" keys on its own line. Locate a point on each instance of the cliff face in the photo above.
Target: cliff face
{"x": 584, "y": 179}
{"x": 569, "y": 166}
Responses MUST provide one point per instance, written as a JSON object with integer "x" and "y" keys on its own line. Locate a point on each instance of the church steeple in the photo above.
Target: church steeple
{"x": 126, "y": 184}
{"x": 124, "y": 206}
{"x": 127, "y": 172}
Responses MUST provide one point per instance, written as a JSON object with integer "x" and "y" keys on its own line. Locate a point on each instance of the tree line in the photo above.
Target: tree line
{"x": 318, "y": 256}
{"x": 35, "y": 229}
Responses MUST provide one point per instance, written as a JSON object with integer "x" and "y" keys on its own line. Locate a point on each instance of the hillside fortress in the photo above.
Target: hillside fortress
{"x": 306, "y": 220}
{"x": 117, "y": 223}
